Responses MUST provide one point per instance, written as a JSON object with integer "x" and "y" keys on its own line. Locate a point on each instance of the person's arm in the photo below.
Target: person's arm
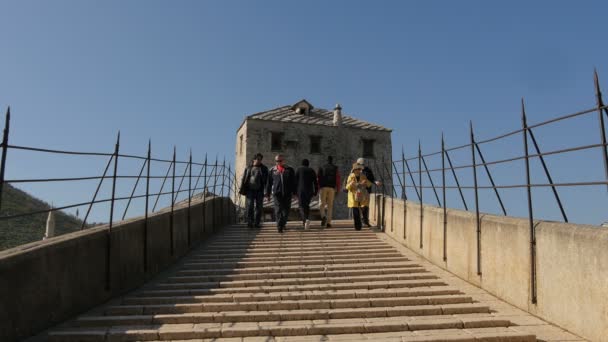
{"x": 366, "y": 182}
{"x": 337, "y": 180}
{"x": 294, "y": 182}
{"x": 243, "y": 189}
{"x": 351, "y": 183}
{"x": 269, "y": 184}
{"x": 315, "y": 184}
{"x": 371, "y": 177}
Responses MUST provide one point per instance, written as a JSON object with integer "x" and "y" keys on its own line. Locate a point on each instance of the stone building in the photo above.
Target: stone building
{"x": 301, "y": 131}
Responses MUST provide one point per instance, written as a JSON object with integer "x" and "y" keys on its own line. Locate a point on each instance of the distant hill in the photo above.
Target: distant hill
{"x": 22, "y": 230}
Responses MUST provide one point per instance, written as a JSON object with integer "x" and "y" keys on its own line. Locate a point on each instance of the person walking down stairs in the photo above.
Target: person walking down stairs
{"x": 282, "y": 186}
{"x": 253, "y": 184}
{"x": 358, "y": 197}
{"x": 307, "y": 188}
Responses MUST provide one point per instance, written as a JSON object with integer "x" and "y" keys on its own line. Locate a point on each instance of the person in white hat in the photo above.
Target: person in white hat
{"x": 370, "y": 176}
{"x": 358, "y": 197}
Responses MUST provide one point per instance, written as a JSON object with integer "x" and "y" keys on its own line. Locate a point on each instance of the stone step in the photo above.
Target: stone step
{"x": 281, "y": 315}
{"x": 272, "y": 233}
{"x": 152, "y": 291}
{"x": 285, "y": 275}
{"x": 316, "y": 261}
{"x": 308, "y": 295}
{"x": 122, "y": 310}
{"x": 410, "y": 329}
{"x": 295, "y": 252}
{"x": 274, "y": 246}
{"x": 174, "y": 284}
{"x": 321, "y": 283}
{"x": 267, "y": 280}
{"x": 299, "y": 268}
{"x": 303, "y": 258}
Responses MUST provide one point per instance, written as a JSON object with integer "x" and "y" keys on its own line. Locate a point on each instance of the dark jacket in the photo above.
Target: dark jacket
{"x": 245, "y": 179}
{"x": 329, "y": 177}
{"x": 281, "y": 184}
{"x": 370, "y": 177}
{"x": 306, "y": 179}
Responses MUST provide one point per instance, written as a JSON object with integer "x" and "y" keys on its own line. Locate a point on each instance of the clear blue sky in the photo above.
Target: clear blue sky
{"x": 186, "y": 73}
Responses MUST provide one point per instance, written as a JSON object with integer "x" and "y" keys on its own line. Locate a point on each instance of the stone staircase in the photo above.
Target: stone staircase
{"x": 314, "y": 285}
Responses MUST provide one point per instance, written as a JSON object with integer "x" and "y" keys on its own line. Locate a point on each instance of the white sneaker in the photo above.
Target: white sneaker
{"x": 307, "y": 224}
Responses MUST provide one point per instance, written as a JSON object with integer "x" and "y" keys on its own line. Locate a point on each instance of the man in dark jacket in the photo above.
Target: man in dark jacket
{"x": 253, "y": 184}
{"x": 282, "y": 186}
{"x": 306, "y": 189}
{"x": 329, "y": 184}
{"x": 370, "y": 176}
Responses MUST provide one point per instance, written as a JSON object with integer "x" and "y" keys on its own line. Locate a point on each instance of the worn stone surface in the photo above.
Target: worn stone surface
{"x": 371, "y": 299}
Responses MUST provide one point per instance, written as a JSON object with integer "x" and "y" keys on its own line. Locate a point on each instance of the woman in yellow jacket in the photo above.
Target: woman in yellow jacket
{"x": 358, "y": 196}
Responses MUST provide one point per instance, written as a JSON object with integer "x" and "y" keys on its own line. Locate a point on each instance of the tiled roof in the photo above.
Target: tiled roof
{"x": 317, "y": 116}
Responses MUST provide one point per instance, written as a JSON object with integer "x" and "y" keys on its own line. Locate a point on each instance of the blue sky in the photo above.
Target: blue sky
{"x": 186, "y": 73}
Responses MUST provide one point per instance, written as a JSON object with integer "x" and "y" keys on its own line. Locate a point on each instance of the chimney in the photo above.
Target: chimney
{"x": 338, "y": 115}
{"x": 50, "y": 226}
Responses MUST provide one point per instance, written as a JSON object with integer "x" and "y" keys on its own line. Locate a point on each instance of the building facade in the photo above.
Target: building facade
{"x": 301, "y": 131}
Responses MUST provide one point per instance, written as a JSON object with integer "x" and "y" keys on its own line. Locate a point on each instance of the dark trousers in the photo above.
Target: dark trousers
{"x": 304, "y": 200}
{"x": 357, "y": 217}
{"x": 255, "y": 201}
{"x": 281, "y": 209}
{"x": 365, "y": 214}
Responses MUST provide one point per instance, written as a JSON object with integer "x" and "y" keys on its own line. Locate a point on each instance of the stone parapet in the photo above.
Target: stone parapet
{"x": 46, "y": 282}
{"x": 571, "y": 260}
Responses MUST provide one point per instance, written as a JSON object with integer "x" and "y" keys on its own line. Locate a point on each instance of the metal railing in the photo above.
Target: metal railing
{"x": 213, "y": 179}
{"x": 402, "y": 172}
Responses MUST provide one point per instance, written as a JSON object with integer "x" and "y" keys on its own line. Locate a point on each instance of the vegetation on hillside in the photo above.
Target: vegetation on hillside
{"x": 22, "y": 230}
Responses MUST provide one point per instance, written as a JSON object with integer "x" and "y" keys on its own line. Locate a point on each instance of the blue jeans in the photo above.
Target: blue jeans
{"x": 254, "y": 199}
{"x": 281, "y": 209}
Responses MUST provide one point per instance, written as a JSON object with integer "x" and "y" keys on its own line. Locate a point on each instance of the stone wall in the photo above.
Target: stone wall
{"x": 343, "y": 143}
{"x": 46, "y": 282}
{"x": 571, "y": 263}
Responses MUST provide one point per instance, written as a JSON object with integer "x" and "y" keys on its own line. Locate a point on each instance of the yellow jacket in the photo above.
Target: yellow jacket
{"x": 352, "y": 186}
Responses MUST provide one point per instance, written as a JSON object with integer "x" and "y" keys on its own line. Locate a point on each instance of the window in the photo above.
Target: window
{"x": 276, "y": 141}
{"x": 315, "y": 144}
{"x": 368, "y": 148}
{"x": 241, "y": 145}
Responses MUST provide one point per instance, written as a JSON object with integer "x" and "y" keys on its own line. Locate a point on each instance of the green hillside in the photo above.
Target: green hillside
{"x": 18, "y": 231}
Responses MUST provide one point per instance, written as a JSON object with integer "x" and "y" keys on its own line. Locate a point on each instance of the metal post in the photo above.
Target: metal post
{"x": 477, "y": 220}
{"x": 431, "y": 181}
{"x": 109, "y": 240}
{"x": 189, "y": 196}
{"x": 388, "y": 172}
{"x": 149, "y": 159}
{"x": 483, "y": 161}
{"x": 235, "y": 194}
{"x": 205, "y": 197}
{"x": 530, "y": 212}
{"x": 229, "y": 185}
{"x": 4, "y": 150}
{"x": 173, "y": 197}
{"x": 600, "y": 104}
{"x": 222, "y": 192}
{"x": 542, "y": 161}
{"x": 447, "y": 156}
{"x": 214, "y": 171}
{"x": 404, "y": 194}
{"x": 420, "y": 182}
{"x": 103, "y": 177}
{"x": 141, "y": 171}
{"x": 445, "y": 210}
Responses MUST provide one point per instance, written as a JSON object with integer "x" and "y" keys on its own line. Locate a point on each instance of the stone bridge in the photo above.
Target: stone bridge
{"x": 408, "y": 280}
